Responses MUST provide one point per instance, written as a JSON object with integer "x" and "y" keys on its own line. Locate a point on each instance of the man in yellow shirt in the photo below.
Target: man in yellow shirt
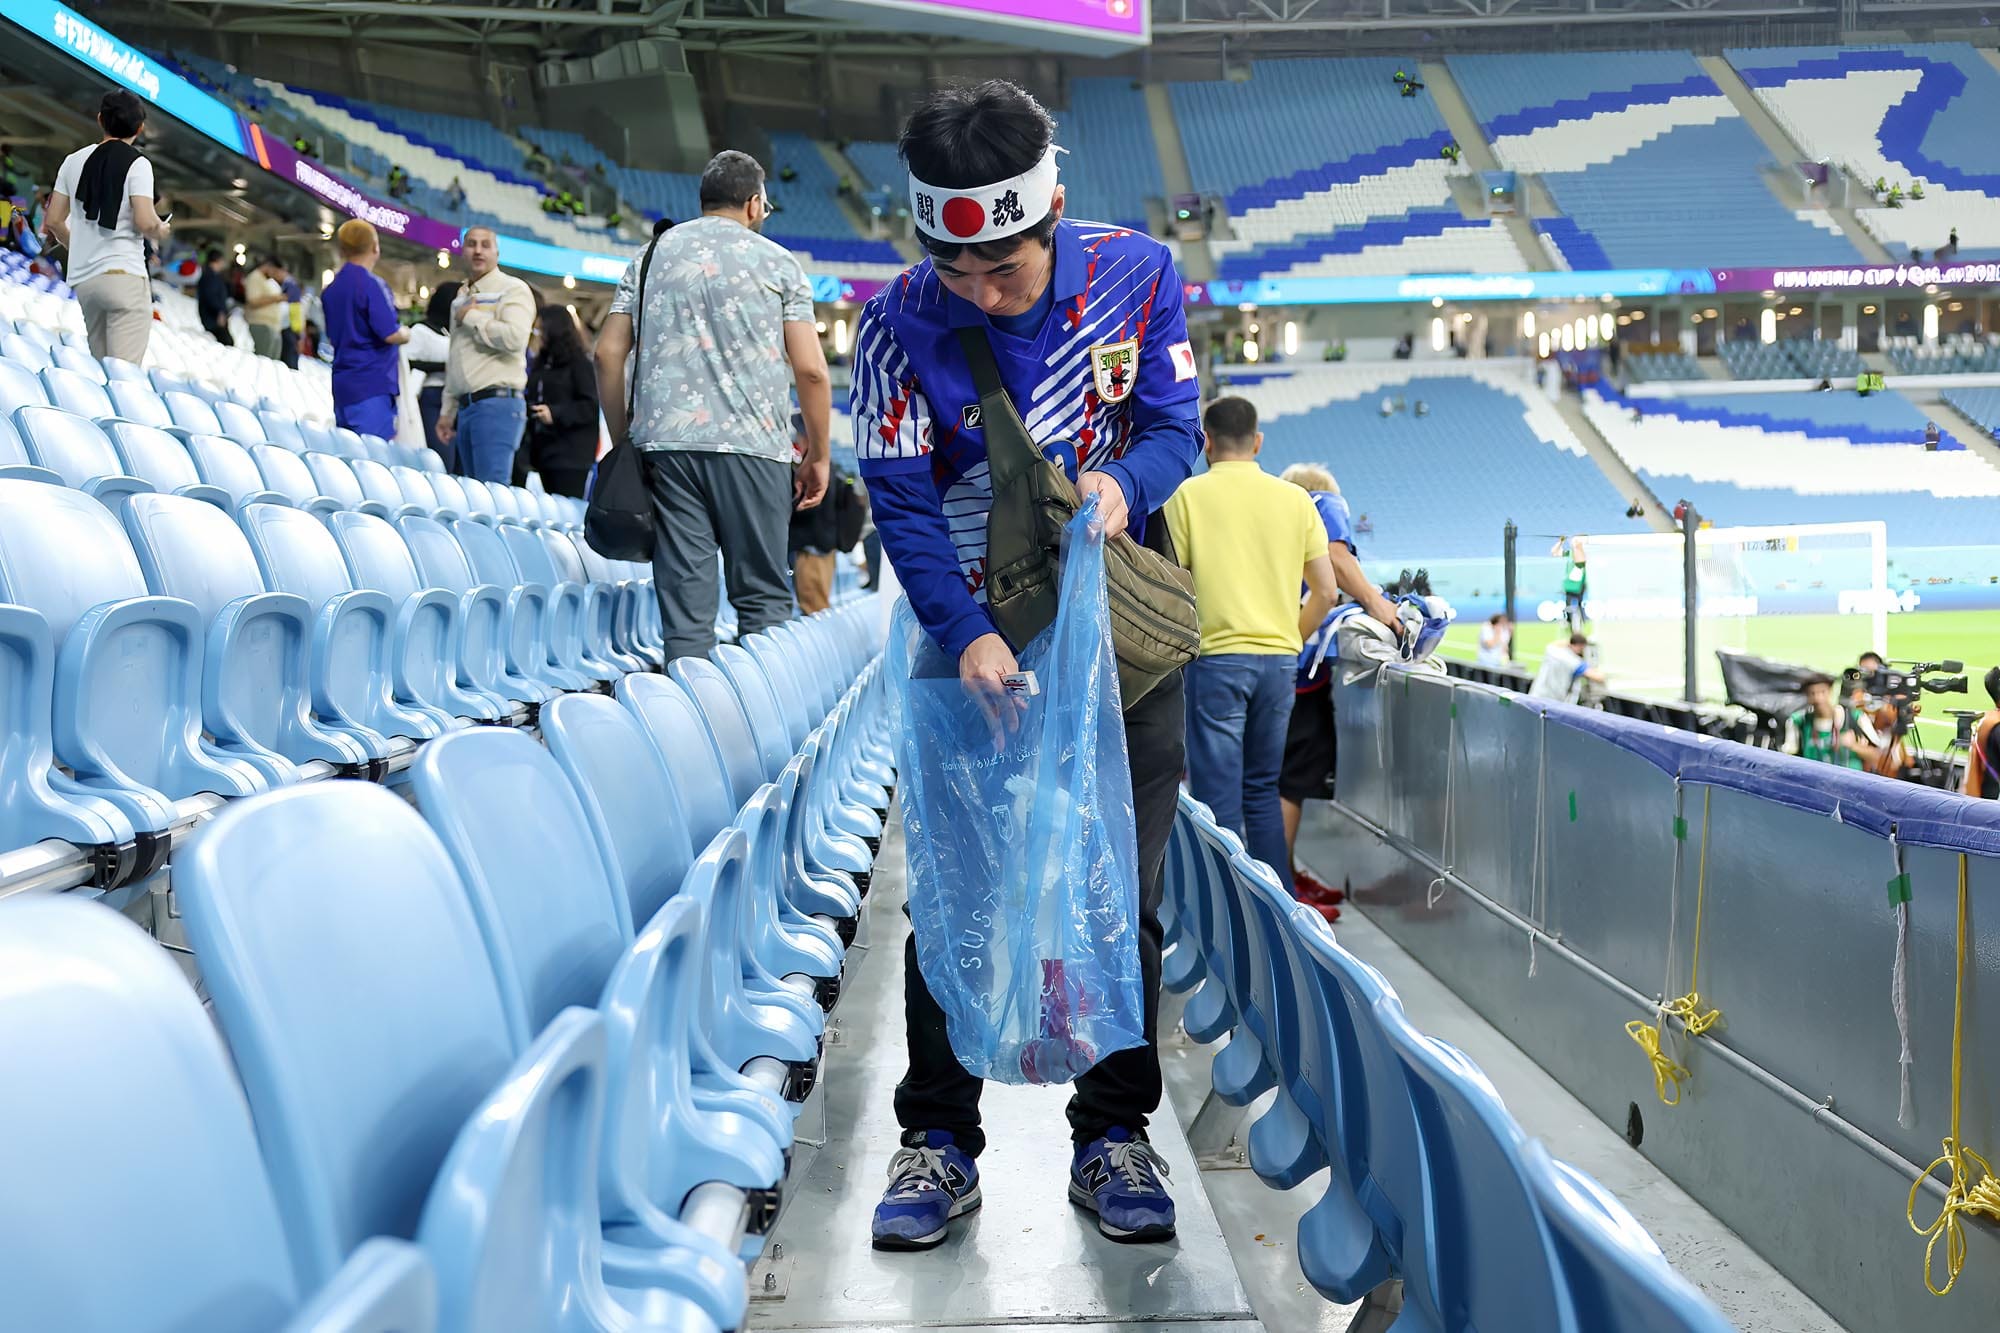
{"x": 1247, "y": 537}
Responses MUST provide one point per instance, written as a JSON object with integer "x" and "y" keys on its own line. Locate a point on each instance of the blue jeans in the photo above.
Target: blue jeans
{"x": 489, "y": 431}
{"x": 1239, "y": 706}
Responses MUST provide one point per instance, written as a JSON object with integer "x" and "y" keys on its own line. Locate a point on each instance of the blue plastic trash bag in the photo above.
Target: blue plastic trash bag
{"x": 1023, "y": 852}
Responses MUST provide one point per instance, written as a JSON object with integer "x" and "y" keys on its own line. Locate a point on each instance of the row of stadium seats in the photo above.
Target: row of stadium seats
{"x": 1962, "y": 358}
{"x": 1432, "y": 1182}
{"x": 1886, "y": 418}
{"x": 1110, "y": 129}
{"x": 555, "y": 1025}
{"x": 1643, "y": 366}
{"x": 1789, "y": 359}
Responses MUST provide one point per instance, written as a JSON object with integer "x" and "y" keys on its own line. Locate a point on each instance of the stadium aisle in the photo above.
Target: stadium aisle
{"x": 1026, "y": 1261}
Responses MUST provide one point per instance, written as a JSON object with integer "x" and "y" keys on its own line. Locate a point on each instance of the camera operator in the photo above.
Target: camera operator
{"x": 1982, "y": 764}
{"x": 1824, "y": 731}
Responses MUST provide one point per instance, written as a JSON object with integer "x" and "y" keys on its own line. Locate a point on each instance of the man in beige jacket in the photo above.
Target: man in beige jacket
{"x": 487, "y": 369}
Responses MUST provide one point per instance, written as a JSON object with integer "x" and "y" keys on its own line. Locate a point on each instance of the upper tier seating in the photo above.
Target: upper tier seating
{"x": 1427, "y": 494}
{"x": 810, "y": 220}
{"x": 1327, "y": 170}
{"x": 1642, "y": 366}
{"x": 1116, "y": 167}
{"x": 1902, "y": 115}
{"x": 1790, "y": 359}
{"x": 1650, "y": 163}
{"x": 1789, "y": 463}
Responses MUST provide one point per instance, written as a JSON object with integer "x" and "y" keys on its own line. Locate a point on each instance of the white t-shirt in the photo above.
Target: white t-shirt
{"x": 92, "y": 250}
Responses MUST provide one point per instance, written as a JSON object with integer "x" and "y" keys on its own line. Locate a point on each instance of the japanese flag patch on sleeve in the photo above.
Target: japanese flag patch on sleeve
{"x": 1183, "y": 355}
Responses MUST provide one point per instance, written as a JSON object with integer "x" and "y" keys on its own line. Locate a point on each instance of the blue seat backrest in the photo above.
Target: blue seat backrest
{"x": 450, "y": 494}
{"x": 19, "y": 388}
{"x": 350, "y": 443}
{"x": 192, "y": 550}
{"x": 478, "y": 497}
{"x": 728, "y": 729}
{"x": 12, "y": 452}
{"x": 377, "y": 483}
{"x": 530, "y": 556}
{"x": 296, "y": 553}
{"x": 506, "y": 504}
{"x": 351, "y": 982}
{"x": 62, "y": 553}
{"x": 66, "y": 444}
{"x": 286, "y": 473}
{"x": 674, "y": 724}
{"x": 116, "y": 369}
{"x": 165, "y": 382}
{"x": 226, "y": 464}
{"x": 134, "y": 400}
{"x": 319, "y": 439}
{"x": 563, "y": 555}
{"x": 531, "y": 867}
{"x": 239, "y": 423}
{"x": 486, "y": 553}
{"x": 23, "y": 351}
{"x": 414, "y": 487}
{"x": 77, "y": 362}
{"x": 376, "y": 555}
{"x": 632, "y": 802}
{"x": 94, "y": 1012}
{"x": 282, "y": 429}
{"x": 192, "y": 413}
{"x": 440, "y": 559}
{"x": 73, "y": 393}
{"x": 335, "y": 479}
{"x": 152, "y": 455}
{"x": 760, "y": 707}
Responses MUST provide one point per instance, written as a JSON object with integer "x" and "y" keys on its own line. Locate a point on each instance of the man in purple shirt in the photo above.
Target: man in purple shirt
{"x": 361, "y": 324}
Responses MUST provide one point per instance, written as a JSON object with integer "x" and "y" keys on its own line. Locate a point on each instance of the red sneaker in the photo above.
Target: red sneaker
{"x": 1310, "y": 888}
{"x": 1327, "y": 910}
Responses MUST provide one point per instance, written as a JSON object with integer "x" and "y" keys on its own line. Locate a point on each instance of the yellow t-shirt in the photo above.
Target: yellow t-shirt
{"x": 1246, "y": 536}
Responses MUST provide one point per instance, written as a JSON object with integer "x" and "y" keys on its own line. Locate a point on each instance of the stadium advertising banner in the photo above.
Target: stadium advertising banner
{"x": 1559, "y": 286}
{"x": 1082, "y": 27}
{"x": 1882, "y": 277}
{"x": 280, "y": 159}
{"x": 74, "y": 35}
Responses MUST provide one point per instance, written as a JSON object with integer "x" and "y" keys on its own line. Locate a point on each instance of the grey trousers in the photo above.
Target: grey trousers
{"x": 117, "y": 315}
{"x": 707, "y": 505}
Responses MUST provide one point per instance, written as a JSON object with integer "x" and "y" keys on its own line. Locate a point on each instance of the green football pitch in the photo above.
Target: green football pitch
{"x": 1826, "y": 642}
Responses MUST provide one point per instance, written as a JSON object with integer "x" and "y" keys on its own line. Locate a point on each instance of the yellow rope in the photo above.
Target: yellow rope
{"x": 1967, "y": 1194}
{"x": 1668, "y": 1073}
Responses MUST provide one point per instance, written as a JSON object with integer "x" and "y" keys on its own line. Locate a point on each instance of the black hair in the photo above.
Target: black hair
{"x": 1865, "y": 656}
{"x": 730, "y": 180}
{"x": 121, "y": 113}
{"x": 968, "y": 136}
{"x": 437, "y": 315}
{"x": 214, "y": 253}
{"x": 1231, "y": 424}
{"x": 560, "y": 344}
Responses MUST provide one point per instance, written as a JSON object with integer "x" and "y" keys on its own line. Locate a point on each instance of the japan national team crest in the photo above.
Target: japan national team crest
{"x": 1115, "y": 366}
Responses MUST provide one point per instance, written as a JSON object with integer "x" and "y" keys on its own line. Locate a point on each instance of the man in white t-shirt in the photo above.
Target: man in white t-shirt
{"x": 102, "y": 209}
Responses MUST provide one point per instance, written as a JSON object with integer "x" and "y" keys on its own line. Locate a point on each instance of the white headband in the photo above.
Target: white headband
{"x": 990, "y": 212}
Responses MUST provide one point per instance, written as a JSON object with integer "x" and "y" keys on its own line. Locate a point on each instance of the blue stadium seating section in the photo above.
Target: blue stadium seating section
{"x": 1689, "y": 197}
{"x": 878, "y": 166}
{"x": 1880, "y": 418}
{"x": 1114, "y": 167}
{"x": 810, "y": 217}
{"x": 1980, "y": 406}
{"x": 1789, "y": 359}
{"x": 1644, "y": 366}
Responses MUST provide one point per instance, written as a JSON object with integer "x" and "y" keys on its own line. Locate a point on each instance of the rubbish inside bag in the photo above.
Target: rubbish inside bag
{"x": 1023, "y": 848}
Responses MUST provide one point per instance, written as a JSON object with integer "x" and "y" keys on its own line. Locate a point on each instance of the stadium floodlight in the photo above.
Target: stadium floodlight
{"x": 1930, "y": 323}
{"x": 1569, "y": 337}
{"x": 1437, "y": 334}
{"x": 1543, "y": 344}
{"x": 1767, "y": 326}
{"x": 1528, "y": 325}
{"x": 840, "y": 337}
{"x": 1605, "y": 325}
{"x": 1291, "y": 337}
{"x": 1250, "y": 352}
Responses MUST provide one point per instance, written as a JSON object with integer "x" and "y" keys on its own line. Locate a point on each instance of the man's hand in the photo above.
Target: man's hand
{"x": 983, "y": 668}
{"x": 1111, "y": 505}
{"x": 540, "y": 415}
{"x": 809, "y": 487}
{"x": 446, "y": 428}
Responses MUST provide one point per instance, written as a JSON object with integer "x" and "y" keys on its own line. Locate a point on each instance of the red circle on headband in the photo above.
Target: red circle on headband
{"x": 963, "y": 216}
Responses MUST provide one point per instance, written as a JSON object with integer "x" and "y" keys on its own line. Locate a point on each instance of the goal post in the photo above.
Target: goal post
{"x": 1636, "y": 603}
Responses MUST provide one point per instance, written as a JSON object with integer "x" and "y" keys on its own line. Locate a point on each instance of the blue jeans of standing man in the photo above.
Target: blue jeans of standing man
{"x": 1238, "y": 708}
{"x": 489, "y": 431}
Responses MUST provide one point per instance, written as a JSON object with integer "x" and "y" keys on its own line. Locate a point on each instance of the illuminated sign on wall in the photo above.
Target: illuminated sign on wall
{"x": 1082, "y": 27}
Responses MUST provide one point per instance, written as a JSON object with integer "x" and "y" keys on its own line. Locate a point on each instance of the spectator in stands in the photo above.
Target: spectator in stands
{"x": 430, "y": 349}
{"x": 309, "y": 341}
{"x": 264, "y": 306}
{"x": 295, "y": 322}
{"x": 562, "y": 406}
{"x": 482, "y": 413}
{"x": 1824, "y": 731}
{"x": 399, "y": 183}
{"x": 1953, "y": 242}
{"x": 1006, "y": 265}
{"x": 1311, "y": 744}
{"x": 1364, "y": 526}
{"x": 1496, "y": 641}
{"x": 361, "y": 323}
{"x": 1932, "y": 435}
{"x": 1566, "y": 670}
{"x": 724, "y": 331}
{"x": 822, "y": 533}
{"x": 1982, "y": 762}
{"x": 211, "y": 296}
{"x": 1576, "y": 578}
{"x": 455, "y": 195}
{"x": 102, "y": 209}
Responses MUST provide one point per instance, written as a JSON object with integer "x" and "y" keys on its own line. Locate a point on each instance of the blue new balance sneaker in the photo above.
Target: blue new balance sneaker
{"x": 931, "y": 1181}
{"x": 1119, "y": 1177}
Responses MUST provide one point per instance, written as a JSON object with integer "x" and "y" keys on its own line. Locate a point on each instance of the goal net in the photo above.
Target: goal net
{"x": 1772, "y": 591}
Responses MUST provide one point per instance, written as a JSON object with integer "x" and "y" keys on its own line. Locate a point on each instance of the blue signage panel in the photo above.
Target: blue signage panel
{"x": 1464, "y": 287}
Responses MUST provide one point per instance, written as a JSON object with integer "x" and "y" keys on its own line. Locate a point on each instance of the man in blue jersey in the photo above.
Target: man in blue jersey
{"x": 1086, "y": 325}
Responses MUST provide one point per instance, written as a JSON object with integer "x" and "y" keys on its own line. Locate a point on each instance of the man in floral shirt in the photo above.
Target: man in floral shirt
{"x": 725, "y": 332}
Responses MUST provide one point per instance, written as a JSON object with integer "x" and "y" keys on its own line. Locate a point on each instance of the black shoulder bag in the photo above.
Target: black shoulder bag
{"x": 618, "y": 515}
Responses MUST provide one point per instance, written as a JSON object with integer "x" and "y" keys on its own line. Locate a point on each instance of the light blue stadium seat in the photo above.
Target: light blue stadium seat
{"x": 319, "y": 439}
{"x": 117, "y": 370}
{"x": 282, "y": 429}
{"x": 192, "y": 413}
{"x": 258, "y": 694}
{"x": 378, "y": 486}
{"x": 128, "y": 715}
{"x": 76, "y": 393}
{"x": 484, "y": 611}
{"x": 1211, "y": 1009}
{"x": 350, "y": 979}
{"x": 354, "y": 670}
{"x": 1284, "y": 1148}
{"x": 450, "y": 494}
{"x": 798, "y": 912}
{"x": 728, "y": 729}
{"x": 570, "y": 610}
{"x": 773, "y": 742}
{"x": 533, "y": 873}
{"x": 15, "y": 460}
{"x": 415, "y": 487}
{"x": 95, "y": 1009}
{"x": 24, "y": 351}
{"x": 40, "y": 801}
{"x": 239, "y": 422}
{"x": 77, "y": 450}
{"x": 781, "y": 676}
{"x": 599, "y": 626}
{"x": 20, "y": 386}
{"x": 78, "y": 363}
{"x": 427, "y": 642}
{"x": 609, "y": 607}
{"x": 165, "y": 382}
{"x": 334, "y": 479}
{"x": 634, "y": 808}
{"x": 134, "y": 400}
{"x": 1618, "y": 1280}
{"x": 227, "y": 466}
{"x": 535, "y": 646}
{"x": 428, "y": 460}
{"x": 1243, "y": 1070}
{"x": 286, "y": 473}
{"x": 1491, "y": 1254}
